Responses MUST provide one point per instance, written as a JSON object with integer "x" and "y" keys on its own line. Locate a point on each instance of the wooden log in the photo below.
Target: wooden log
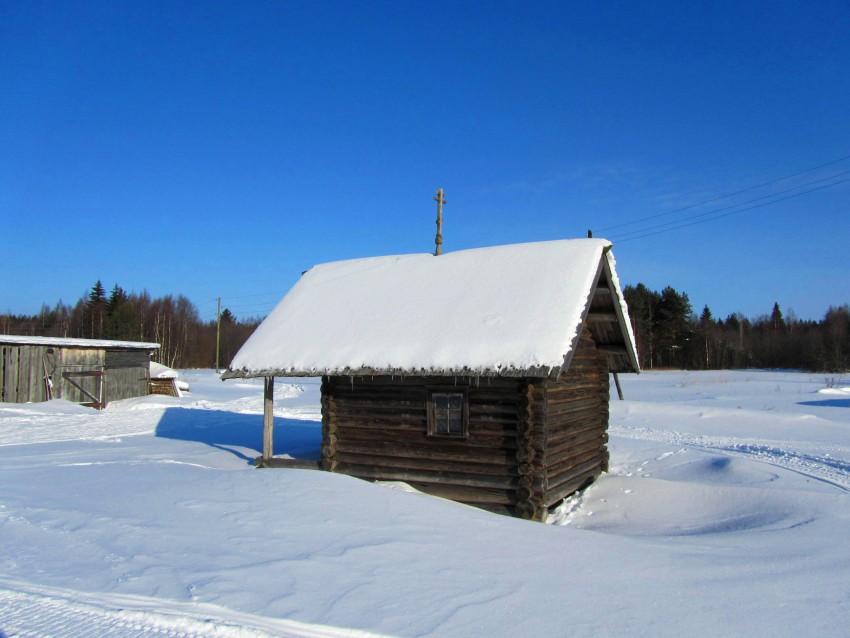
{"x": 588, "y": 466}
{"x": 428, "y": 465}
{"x": 442, "y": 478}
{"x": 565, "y": 428}
{"x": 472, "y": 496}
{"x": 611, "y": 348}
{"x": 590, "y": 453}
{"x": 532, "y": 511}
{"x": 565, "y": 434}
{"x": 531, "y": 493}
{"x": 568, "y": 446}
{"x": 439, "y": 453}
{"x": 352, "y": 413}
{"x": 559, "y": 494}
{"x": 418, "y": 437}
{"x": 573, "y": 404}
{"x": 525, "y": 454}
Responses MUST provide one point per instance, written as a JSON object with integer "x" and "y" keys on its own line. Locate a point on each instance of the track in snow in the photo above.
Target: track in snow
{"x": 30, "y": 612}
{"x": 826, "y": 468}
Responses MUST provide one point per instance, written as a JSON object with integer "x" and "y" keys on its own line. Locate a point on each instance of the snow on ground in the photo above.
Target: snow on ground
{"x": 725, "y": 512}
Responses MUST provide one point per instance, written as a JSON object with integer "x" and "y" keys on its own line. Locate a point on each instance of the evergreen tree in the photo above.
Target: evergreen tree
{"x": 122, "y": 323}
{"x": 776, "y": 318}
{"x": 674, "y": 331}
{"x": 116, "y": 298}
{"x": 95, "y": 310}
{"x": 643, "y": 305}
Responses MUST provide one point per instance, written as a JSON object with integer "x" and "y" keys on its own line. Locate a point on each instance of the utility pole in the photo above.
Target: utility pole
{"x": 439, "y": 238}
{"x": 217, "y": 333}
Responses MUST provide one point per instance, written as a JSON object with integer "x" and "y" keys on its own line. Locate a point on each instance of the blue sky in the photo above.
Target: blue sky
{"x": 220, "y": 149}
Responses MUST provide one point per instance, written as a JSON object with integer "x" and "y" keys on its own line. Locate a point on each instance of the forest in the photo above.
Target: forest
{"x": 670, "y": 335}
{"x": 173, "y": 322}
{"x": 668, "y": 332}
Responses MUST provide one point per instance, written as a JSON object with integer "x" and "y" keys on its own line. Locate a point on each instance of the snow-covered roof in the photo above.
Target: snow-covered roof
{"x": 62, "y": 342}
{"x": 159, "y": 371}
{"x": 511, "y": 310}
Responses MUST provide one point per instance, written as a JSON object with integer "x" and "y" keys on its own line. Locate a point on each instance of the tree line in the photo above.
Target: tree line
{"x": 670, "y": 335}
{"x": 171, "y": 321}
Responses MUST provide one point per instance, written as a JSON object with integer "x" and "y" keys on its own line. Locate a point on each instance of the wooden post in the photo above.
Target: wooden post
{"x": 439, "y": 239}
{"x": 268, "y": 418}
{"x": 617, "y": 383}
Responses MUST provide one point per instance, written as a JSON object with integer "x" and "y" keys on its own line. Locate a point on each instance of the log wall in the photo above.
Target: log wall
{"x": 376, "y": 428}
{"x": 576, "y": 409}
{"x": 531, "y": 441}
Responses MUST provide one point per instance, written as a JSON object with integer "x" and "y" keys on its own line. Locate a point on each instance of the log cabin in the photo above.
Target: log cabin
{"x": 478, "y": 375}
{"x": 92, "y": 372}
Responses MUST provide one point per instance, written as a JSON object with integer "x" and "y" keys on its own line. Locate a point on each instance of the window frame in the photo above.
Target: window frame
{"x": 432, "y": 412}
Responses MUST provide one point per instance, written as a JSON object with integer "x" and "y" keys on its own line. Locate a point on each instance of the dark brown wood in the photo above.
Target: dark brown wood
{"x": 529, "y": 440}
{"x": 613, "y": 348}
{"x": 442, "y": 478}
{"x": 602, "y": 317}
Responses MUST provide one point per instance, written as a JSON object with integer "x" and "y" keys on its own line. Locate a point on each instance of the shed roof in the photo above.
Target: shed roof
{"x": 62, "y": 342}
{"x": 511, "y": 310}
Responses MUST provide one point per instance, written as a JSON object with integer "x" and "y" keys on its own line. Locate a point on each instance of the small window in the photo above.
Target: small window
{"x": 447, "y": 414}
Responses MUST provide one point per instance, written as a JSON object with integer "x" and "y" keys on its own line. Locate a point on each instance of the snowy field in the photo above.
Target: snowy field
{"x": 725, "y": 513}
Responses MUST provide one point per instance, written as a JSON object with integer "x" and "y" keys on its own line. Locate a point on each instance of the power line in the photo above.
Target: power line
{"x": 749, "y": 201}
{"x": 718, "y": 198}
{"x": 702, "y": 221}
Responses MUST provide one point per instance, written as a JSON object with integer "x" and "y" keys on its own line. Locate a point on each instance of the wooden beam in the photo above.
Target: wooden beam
{"x": 602, "y": 290}
{"x": 602, "y": 317}
{"x": 268, "y": 418}
{"x": 612, "y": 348}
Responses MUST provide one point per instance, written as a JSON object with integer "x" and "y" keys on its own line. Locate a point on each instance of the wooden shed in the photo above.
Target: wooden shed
{"x": 87, "y": 371}
{"x": 479, "y": 375}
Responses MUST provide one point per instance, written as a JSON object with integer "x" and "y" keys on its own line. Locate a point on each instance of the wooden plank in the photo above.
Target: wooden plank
{"x": 11, "y": 365}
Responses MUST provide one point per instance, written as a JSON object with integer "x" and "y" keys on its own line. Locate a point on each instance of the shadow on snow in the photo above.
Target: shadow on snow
{"x": 241, "y": 434}
{"x": 828, "y": 403}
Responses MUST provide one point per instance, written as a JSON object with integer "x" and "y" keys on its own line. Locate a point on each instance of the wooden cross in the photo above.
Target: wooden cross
{"x": 439, "y": 239}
